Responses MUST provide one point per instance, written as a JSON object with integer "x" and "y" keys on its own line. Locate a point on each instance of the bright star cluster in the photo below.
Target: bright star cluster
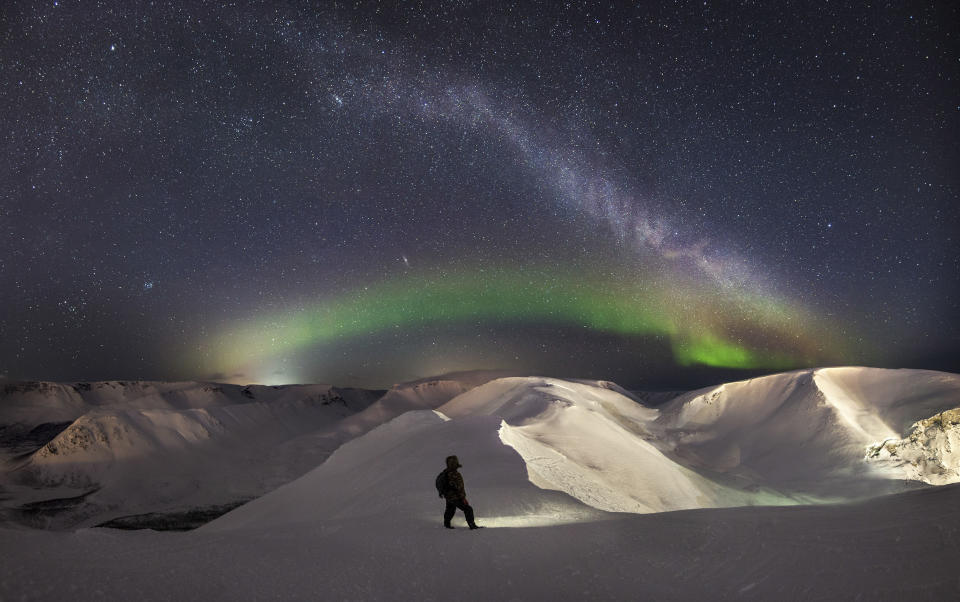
{"x": 661, "y": 194}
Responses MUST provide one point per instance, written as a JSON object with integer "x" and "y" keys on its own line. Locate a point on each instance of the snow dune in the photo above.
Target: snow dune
{"x": 792, "y": 438}
{"x": 593, "y": 442}
{"x": 390, "y": 472}
{"x": 797, "y": 437}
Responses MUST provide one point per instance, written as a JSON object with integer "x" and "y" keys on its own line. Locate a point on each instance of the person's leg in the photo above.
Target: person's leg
{"x": 467, "y": 512}
{"x": 448, "y": 514}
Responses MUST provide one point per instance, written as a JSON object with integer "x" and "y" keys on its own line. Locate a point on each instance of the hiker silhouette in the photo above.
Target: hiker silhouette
{"x": 450, "y": 487}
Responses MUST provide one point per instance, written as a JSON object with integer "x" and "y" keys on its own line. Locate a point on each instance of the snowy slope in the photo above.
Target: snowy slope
{"x": 92, "y": 446}
{"x": 580, "y": 438}
{"x": 144, "y": 447}
{"x": 33, "y": 403}
{"x": 390, "y": 472}
{"x": 147, "y": 447}
{"x": 591, "y": 441}
{"x": 425, "y": 394}
{"x": 789, "y": 438}
{"x": 773, "y": 440}
{"x": 313, "y": 448}
{"x": 804, "y": 433}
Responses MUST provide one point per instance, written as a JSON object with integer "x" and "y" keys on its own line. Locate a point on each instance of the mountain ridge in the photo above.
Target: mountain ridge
{"x": 798, "y": 437}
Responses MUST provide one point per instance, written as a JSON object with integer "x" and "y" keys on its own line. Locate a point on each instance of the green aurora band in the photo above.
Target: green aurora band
{"x": 703, "y": 327}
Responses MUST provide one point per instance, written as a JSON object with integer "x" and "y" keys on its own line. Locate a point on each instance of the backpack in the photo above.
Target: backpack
{"x": 442, "y": 483}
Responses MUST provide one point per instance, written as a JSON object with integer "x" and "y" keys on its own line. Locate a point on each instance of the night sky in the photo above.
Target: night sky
{"x": 658, "y": 195}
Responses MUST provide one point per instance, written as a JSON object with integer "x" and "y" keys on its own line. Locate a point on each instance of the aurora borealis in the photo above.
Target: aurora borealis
{"x": 657, "y": 194}
{"x": 519, "y": 297}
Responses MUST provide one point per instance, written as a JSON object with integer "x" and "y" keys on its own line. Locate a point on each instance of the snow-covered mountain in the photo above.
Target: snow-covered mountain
{"x": 32, "y": 403}
{"x": 807, "y": 433}
{"x": 106, "y": 450}
{"x": 569, "y": 477}
{"x": 79, "y": 454}
{"x": 793, "y": 438}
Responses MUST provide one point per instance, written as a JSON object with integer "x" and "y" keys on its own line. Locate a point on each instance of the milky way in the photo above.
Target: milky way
{"x": 660, "y": 195}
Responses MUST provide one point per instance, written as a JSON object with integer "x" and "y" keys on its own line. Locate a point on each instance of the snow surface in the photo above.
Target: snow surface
{"x": 902, "y": 547}
{"x": 571, "y": 479}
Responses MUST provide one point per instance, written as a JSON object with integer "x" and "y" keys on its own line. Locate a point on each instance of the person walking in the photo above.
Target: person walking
{"x": 450, "y": 486}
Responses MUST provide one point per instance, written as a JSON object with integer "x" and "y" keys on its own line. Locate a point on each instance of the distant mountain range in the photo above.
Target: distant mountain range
{"x": 178, "y": 454}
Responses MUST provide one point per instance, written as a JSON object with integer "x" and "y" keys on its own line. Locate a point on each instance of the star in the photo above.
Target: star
{"x": 600, "y": 191}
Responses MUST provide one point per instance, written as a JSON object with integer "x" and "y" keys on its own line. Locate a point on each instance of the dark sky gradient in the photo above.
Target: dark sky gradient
{"x": 303, "y": 192}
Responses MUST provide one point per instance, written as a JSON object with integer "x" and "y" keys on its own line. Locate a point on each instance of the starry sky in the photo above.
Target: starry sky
{"x": 660, "y": 194}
